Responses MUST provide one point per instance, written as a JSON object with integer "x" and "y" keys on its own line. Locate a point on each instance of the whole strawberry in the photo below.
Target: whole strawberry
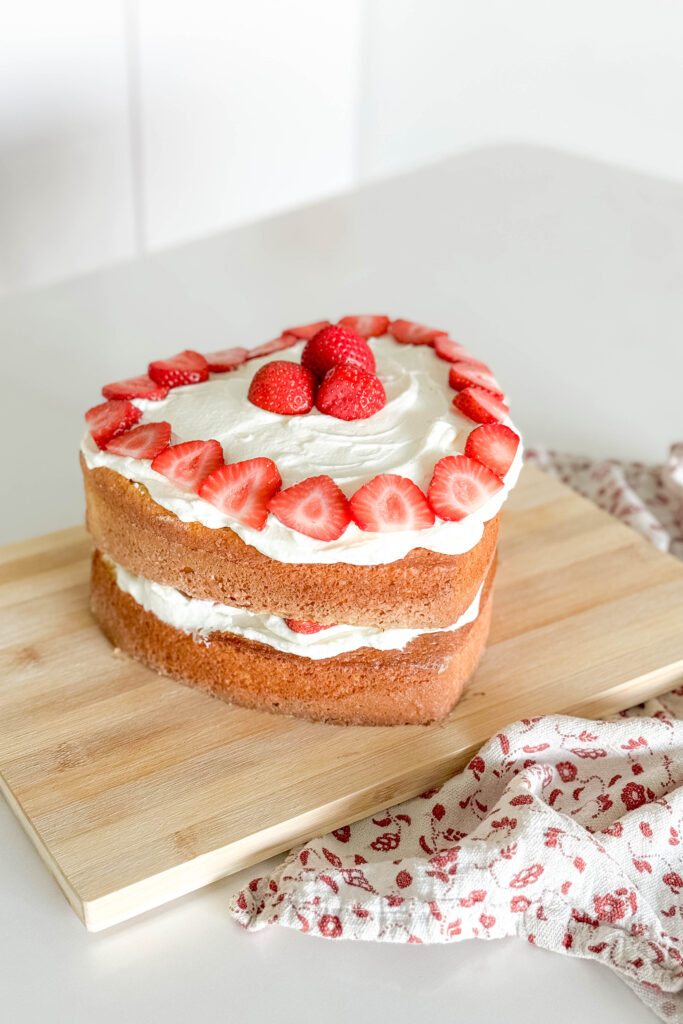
{"x": 283, "y": 387}
{"x": 333, "y": 346}
{"x": 350, "y": 393}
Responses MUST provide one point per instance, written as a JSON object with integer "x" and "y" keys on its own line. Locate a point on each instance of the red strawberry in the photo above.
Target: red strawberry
{"x": 460, "y": 486}
{"x": 269, "y": 347}
{"x": 453, "y": 352}
{"x": 494, "y": 445}
{"x": 135, "y": 387}
{"x": 480, "y": 405}
{"x": 315, "y": 507}
{"x": 389, "y": 503}
{"x": 226, "y": 359}
{"x": 187, "y": 367}
{"x": 336, "y": 345}
{"x": 243, "y": 490}
{"x": 350, "y": 393}
{"x": 283, "y": 387}
{"x": 190, "y": 463}
{"x": 145, "y": 442}
{"x": 111, "y": 418}
{"x": 306, "y": 625}
{"x": 367, "y": 326}
{"x": 409, "y": 333}
{"x": 306, "y": 332}
{"x": 469, "y": 375}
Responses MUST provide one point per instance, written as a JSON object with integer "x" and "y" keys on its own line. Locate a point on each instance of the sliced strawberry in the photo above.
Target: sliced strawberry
{"x": 243, "y": 489}
{"x": 187, "y": 367}
{"x": 453, "y": 352}
{"x": 350, "y": 393}
{"x": 306, "y": 625}
{"x": 469, "y": 375}
{"x": 188, "y": 464}
{"x": 306, "y": 332}
{"x": 368, "y": 326}
{"x": 226, "y": 359}
{"x": 276, "y": 345}
{"x": 111, "y": 418}
{"x": 145, "y": 442}
{"x": 336, "y": 345}
{"x": 494, "y": 445}
{"x": 283, "y": 387}
{"x": 389, "y": 503}
{"x": 480, "y": 405}
{"x": 460, "y": 486}
{"x": 315, "y": 507}
{"x": 409, "y": 333}
{"x": 135, "y": 387}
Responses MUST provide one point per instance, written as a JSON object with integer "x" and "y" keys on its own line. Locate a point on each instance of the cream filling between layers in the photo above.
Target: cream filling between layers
{"x": 201, "y": 618}
{"x": 417, "y": 427}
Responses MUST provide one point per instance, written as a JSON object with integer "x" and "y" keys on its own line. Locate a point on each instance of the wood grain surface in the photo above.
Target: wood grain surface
{"x": 136, "y": 789}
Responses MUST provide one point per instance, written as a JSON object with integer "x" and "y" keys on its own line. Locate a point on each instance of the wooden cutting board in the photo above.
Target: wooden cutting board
{"x": 136, "y": 789}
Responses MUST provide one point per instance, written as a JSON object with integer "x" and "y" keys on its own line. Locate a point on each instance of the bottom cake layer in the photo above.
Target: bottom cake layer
{"x": 415, "y": 685}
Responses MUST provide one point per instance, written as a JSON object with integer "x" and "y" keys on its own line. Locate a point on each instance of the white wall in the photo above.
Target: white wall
{"x": 135, "y": 124}
{"x": 247, "y": 108}
{"x": 65, "y": 174}
{"x": 599, "y": 77}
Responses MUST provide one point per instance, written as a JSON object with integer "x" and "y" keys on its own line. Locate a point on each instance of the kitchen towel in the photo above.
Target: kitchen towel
{"x": 564, "y": 831}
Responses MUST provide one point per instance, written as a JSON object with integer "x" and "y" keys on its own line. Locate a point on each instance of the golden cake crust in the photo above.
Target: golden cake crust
{"x": 425, "y": 589}
{"x": 364, "y": 687}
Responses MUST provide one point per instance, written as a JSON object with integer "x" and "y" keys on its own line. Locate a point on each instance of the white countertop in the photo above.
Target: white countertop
{"x": 566, "y": 276}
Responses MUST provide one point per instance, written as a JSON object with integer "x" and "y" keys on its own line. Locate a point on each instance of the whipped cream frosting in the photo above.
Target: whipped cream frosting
{"x": 417, "y": 427}
{"x": 201, "y": 618}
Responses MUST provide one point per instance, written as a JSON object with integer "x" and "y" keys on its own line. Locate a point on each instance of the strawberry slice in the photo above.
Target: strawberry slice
{"x": 283, "y": 387}
{"x": 243, "y": 489}
{"x": 336, "y": 345}
{"x": 107, "y": 420}
{"x": 135, "y": 387}
{"x": 350, "y": 393}
{"x": 480, "y": 405}
{"x": 460, "y": 486}
{"x": 276, "y": 345}
{"x": 468, "y": 375}
{"x": 306, "y": 625}
{"x": 390, "y": 503}
{"x": 450, "y": 350}
{"x": 187, "y": 367}
{"x": 306, "y": 332}
{"x": 409, "y": 333}
{"x": 145, "y": 442}
{"x": 494, "y": 445}
{"x": 368, "y": 326}
{"x": 189, "y": 463}
{"x": 315, "y": 507}
{"x": 226, "y": 359}
{"x": 453, "y": 352}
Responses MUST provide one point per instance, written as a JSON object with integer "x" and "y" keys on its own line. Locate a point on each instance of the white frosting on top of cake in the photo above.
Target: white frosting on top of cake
{"x": 417, "y": 427}
{"x": 201, "y": 618}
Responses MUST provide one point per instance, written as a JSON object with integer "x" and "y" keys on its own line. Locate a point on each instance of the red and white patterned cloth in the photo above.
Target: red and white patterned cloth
{"x": 564, "y": 831}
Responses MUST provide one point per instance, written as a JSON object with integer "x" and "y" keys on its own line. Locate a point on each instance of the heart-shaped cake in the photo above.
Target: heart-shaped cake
{"x": 307, "y": 527}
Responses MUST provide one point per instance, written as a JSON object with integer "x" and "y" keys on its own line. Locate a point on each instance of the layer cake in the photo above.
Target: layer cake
{"x": 308, "y": 527}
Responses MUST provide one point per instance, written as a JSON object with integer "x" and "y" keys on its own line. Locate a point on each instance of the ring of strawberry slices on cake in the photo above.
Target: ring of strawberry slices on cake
{"x": 337, "y": 376}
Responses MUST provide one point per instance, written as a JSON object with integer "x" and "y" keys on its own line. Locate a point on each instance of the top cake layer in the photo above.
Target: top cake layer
{"x": 417, "y": 427}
